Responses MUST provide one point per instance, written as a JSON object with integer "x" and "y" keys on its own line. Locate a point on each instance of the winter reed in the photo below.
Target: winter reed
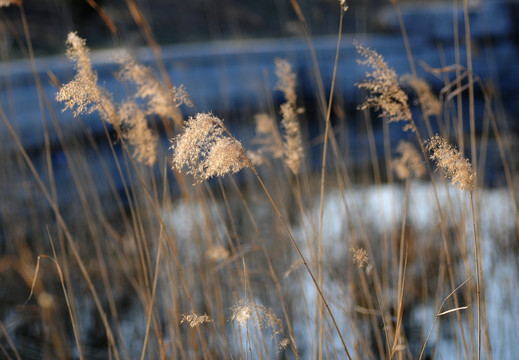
{"x": 206, "y": 149}
{"x": 385, "y": 93}
{"x": 451, "y": 162}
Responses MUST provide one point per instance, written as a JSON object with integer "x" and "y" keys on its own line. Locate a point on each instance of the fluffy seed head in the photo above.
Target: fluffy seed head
{"x": 267, "y": 136}
{"x": 431, "y": 104}
{"x": 244, "y": 311}
{"x": 344, "y": 6}
{"x": 409, "y": 163}
{"x": 160, "y": 101}
{"x": 360, "y": 256}
{"x": 241, "y": 313}
{"x": 217, "y": 253}
{"x": 139, "y": 135}
{"x": 205, "y": 151}
{"x": 195, "y": 320}
{"x": 451, "y": 162}
{"x": 5, "y": 3}
{"x": 286, "y": 80}
{"x": 293, "y": 145}
{"x": 82, "y": 94}
{"x": 382, "y": 84}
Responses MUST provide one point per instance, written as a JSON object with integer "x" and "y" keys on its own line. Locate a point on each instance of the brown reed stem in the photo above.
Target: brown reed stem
{"x": 68, "y": 235}
{"x": 477, "y": 259}
{"x": 438, "y": 314}
{"x": 323, "y": 175}
{"x": 153, "y": 294}
{"x": 303, "y": 259}
{"x": 271, "y": 269}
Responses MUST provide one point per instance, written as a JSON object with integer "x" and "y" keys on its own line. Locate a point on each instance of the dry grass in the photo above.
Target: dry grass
{"x": 281, "y": 261}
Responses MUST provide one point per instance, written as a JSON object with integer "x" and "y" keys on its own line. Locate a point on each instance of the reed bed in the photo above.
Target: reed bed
{"x": 189, "y": 242}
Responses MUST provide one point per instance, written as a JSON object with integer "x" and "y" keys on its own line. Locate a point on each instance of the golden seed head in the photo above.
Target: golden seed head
{"x": 82, "y": 94}
{"x": 205, "y": 151}
{"x": 409, "y": 163}
{"x": 431, "y": 104}
{"x": 451, "y": 162}
{"x": 138, "y": 133}
{"x": 360, "y": 256}
{"x": 385, "y": 92}
{"x": 195, "y": 320}
{"x": 160, "y": 101}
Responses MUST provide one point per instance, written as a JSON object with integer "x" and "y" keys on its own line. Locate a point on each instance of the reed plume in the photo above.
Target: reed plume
{"x": 82, "y": 94}
{"x": 216, "y": 253}
{"x": 243, "y": 312}
{"x": 451, "y": 162}
{"x": 138, "y": 134}
{"x": 161, "y": 102}
{"x": 267, "y": 136}
{"x": 386, "y": 95}
{"x": 430, "y": 103}
{"x": 410, "y": 163}
{"x": 344, "y": 5}
{"x": 205, "y": 151}
{"x": 293, "y": 146}
{"x": 360, "y": 256}
{"x": 5, "y": 3}
{"x": 195, "y": 320}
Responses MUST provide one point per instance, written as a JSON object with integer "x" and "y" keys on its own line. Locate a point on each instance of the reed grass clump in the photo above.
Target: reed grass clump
{"x": 355, "y": 265}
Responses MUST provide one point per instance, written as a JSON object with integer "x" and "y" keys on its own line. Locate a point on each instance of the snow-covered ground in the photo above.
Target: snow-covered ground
{"x": 377, "y": 210}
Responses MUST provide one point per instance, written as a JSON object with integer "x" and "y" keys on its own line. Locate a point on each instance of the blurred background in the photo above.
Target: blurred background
{"x": 224, "y": 53}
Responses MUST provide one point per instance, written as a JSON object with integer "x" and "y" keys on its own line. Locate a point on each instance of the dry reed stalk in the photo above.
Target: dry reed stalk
{"x": 68, "y": 236}
{"x": 83, "y": 95}
{"x": 429, "y": 129}
{"x": 408, "y": 165}
{"x": 265, "y": 318}
{"x": 202, "y": 140}
{"x": 459, "y": 169}
{"x": 271, "y": 269}
{"x": 387, "y": 96}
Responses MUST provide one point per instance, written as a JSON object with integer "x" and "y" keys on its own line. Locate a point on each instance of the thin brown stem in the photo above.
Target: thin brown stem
{"x": 323, "y": 176}
{"x": 303, "y": 259}
{"x": 477, "y": 258}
